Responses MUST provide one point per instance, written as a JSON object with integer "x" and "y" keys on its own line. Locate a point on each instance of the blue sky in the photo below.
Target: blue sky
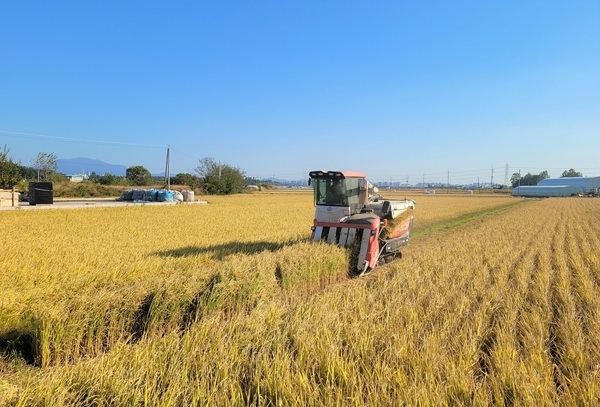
{"x": 397, "y": 89}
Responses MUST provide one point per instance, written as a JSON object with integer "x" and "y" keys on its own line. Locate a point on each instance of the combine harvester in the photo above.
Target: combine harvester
{"x": 347, "y": 214}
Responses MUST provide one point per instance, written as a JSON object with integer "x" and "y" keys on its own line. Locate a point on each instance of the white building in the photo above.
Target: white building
{"x": 76, "y": 178}
{"x": 567, "y": 186}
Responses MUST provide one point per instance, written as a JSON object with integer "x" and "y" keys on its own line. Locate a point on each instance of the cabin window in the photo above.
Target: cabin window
{"x": 336, "y": 191}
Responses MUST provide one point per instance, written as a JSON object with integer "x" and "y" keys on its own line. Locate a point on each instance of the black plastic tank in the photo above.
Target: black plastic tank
{"x": 41, "y": 193}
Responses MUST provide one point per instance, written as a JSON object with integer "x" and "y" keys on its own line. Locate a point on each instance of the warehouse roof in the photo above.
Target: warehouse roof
{"x": 585, "y": 183}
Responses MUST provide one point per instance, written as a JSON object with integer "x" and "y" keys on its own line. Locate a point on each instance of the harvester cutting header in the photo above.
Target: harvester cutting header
{"x": 350, "y": 213}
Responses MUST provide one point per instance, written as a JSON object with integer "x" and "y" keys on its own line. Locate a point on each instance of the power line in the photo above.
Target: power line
{"x": 77, "y": 140}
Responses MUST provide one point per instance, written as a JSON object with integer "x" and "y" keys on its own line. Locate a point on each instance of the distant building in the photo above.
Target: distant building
{"x": 76, "y": 178}
{"x": 567, "y": 186}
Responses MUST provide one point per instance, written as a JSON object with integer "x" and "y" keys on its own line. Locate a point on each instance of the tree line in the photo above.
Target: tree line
{"x": 210, "y": 176}
{"x": 532, "y": 179}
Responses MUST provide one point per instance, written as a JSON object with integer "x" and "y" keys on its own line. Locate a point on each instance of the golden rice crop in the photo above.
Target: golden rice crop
{"x": 229, "y": 304}
{"x": 436, "y": 208}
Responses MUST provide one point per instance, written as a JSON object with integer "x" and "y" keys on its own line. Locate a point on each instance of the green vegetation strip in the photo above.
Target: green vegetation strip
{"x": 461, "y": 220}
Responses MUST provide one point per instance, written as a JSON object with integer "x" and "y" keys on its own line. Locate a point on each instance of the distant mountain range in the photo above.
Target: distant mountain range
{"x": 73, "y": 166}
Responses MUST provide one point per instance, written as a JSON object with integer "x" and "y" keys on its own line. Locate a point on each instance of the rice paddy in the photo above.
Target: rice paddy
{"x": 495, "y": 302}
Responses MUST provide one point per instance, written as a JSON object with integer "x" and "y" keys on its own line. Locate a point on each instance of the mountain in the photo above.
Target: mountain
{"x": 72, "y": 166}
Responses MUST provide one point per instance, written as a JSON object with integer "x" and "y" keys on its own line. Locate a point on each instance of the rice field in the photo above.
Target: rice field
{"x": 495, "y": 302}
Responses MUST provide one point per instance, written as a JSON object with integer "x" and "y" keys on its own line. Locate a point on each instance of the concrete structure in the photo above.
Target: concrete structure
{"x": 75, "y": 203}
{"x": 567, "y": 186}
{"x": 9, "y": 197}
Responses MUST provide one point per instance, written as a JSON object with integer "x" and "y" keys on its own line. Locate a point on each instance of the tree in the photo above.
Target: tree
{"x": 106, "y": 179}
{"x": 46, "y": 166}
{"x": 189, "y": 180}
{"x": 9, "y": 170}
{"x": 94, "y": 178}
{"x": 571, "y": 173}
{"x": 109, "y": 179}
{"x": 220, "y": 179}
{"x": 138, "y": 175}
{"x": 27, "y": 172}
{"x": 514, "y": 180}
{"x": 528, "y": 179}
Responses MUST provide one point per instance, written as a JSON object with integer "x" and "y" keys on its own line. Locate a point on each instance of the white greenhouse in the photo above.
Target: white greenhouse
{"x": 567, "y": 186}
{"x": 585, "y": 183}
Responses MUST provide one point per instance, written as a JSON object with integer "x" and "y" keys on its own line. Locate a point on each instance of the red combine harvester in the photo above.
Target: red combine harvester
{"x": 349, "y": 214}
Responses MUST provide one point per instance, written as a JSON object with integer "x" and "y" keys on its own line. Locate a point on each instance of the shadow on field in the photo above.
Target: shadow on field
{"x": 141, "y": 318}
{"x": 220, "y": 251}
{"x": 18, "y": 344}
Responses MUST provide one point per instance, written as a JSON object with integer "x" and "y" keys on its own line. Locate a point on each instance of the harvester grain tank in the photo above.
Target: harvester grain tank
{"x": 350, "y": 213}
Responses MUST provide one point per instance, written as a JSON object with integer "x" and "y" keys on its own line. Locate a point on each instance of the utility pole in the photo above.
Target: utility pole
{"x": 168, "y": 168}
{"x": 492, "y": 182}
